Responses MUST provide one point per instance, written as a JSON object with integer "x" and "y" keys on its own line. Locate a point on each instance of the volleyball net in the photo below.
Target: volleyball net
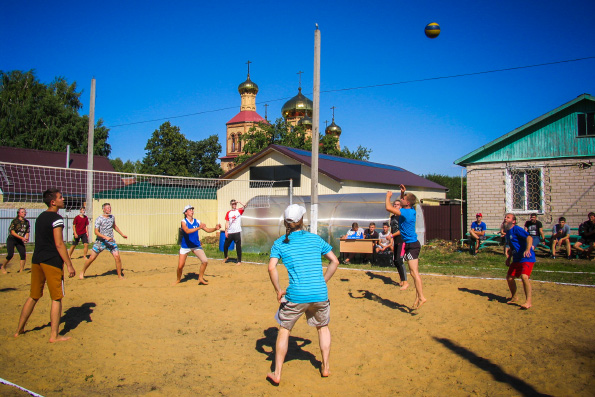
{"x": 147, "y": 205}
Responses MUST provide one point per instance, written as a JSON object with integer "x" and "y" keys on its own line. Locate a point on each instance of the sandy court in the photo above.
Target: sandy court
{"x": 144, "y": 336}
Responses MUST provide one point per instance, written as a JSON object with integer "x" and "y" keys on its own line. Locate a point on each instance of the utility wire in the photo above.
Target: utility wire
{"x": 369, "y": 86}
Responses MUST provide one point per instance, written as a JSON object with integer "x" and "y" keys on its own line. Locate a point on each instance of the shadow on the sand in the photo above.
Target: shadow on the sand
{"x": 72, "y": 318}
{"x": 489, "y": 295}
{"x": 385, "y": 302}
{"x": 294, "y": 350}
{"x": 484, "y": 364}
{"x": 385, "y": 279}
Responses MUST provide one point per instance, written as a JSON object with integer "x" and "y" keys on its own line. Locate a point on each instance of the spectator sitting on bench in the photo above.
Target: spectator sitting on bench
{"x": 385, "y": 242}
{"x": 354, "y": 232}
{"x": 535, "y": 229}
{"x": 478, "y": 231}
{"x": 561, "y": 235}
{"x": 587, "y": 236}
{"x": 370, "y": 233}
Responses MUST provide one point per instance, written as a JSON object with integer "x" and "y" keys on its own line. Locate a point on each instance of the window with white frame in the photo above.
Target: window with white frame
{"x": 524, "y": 190}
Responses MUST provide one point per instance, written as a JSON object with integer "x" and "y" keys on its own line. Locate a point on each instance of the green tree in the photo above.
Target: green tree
{"x": 203, "y": 157}
{"x": 45, "y": 117}
{"x": 453, "y": 183}
{"x": 167, "y": 152}
{"x": 130, "y": 167}
{"x": 281, "y": 133}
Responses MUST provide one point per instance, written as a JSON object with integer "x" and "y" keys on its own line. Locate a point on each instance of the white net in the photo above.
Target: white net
{"x": 147, "y": 204}
{"x": 528, "y": 190}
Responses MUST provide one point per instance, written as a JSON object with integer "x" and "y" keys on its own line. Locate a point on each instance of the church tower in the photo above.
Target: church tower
{"x": 334, "y": 129}
{"x": 298, "y": 110}
{"x": 241, "y": 123}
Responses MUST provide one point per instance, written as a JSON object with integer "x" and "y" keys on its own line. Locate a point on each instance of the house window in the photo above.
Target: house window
{"x": 586, "y": 124}
{"x": 524, "y": 190}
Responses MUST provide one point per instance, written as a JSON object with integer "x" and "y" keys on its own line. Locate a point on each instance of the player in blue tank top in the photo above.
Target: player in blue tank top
{"x": 412, "y": 247}
{"x": 301, "y": 253}
{"x": 190, "y": 242}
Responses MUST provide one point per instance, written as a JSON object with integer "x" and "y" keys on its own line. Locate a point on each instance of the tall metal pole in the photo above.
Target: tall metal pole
{"x": 90, "y": 138}
{"x": 315, "y": 134}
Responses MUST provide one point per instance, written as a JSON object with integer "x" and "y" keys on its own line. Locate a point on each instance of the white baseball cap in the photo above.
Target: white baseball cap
{"x": 188, "y": 207}
{"x": 294, "y": 213}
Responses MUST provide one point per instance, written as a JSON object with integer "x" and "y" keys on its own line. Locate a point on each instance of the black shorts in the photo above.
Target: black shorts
{"x": 412, "y": 250}
{"x": 83, "y": 238}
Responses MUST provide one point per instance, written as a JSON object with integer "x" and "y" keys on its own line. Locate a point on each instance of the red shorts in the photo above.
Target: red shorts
{"x": 518, "y": 268}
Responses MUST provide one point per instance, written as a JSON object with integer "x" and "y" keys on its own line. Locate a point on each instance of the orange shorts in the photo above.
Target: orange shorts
{"x": 40, "y": 273}
{"x": 516, "y": 269}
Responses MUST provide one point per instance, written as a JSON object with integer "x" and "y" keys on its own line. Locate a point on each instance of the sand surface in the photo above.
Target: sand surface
{"x": 143, "y": 336}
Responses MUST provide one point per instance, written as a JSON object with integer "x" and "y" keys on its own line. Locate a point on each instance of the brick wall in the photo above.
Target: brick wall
{"x": 569, "y": 191}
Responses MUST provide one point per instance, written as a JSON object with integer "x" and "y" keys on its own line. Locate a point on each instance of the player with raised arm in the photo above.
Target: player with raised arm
{"x": 18, "y": 235}
{"x": 191, "y": 242}
{"x": 104, "y": 230}
{"x": 412, "y": 247}
{"x": 81, "y": 232}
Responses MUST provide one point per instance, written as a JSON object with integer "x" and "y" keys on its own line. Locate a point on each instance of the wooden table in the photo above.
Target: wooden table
{"x": 358, "y": 246}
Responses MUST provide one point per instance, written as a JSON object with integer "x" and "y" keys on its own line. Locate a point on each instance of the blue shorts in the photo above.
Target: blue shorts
{"x": 101, "y": 245}
{"x": 536, "y": 240}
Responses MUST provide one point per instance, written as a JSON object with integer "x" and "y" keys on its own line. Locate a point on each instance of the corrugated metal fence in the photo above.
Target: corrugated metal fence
{"x": 443, "y": 222}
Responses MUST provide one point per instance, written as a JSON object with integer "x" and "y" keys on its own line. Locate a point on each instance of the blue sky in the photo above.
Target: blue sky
{"x": 159, "y": 60}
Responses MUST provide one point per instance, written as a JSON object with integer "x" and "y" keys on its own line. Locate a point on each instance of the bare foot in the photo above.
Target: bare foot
{"x": 176, "y": 282}
{"x": 526, "y": 306}
{"x": 21, "y": 270}
{"x": 120, "y": 277}
{"x": 3, "y": 271}
{"x": 272, "y": 379}
{"x": 238, "y": 263}
{"x": 512, "y": 301}
{"x": 324, "y": 372}
{"x": 418, "y": 303}
{"x": 404, "y": 285}
{"x": 202, "y": 281}
{"x": 82, "y": 276}
{"x": 19, "y": 333}
{"x": 59, "y": 339}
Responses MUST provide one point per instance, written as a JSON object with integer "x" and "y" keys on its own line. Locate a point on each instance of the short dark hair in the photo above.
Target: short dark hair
{"x": 354, "y": 224}
{"x": 561, "y": 219}
{"x": 232, "y": 201}
{"x": 385, "y": 224}
{"x": 533, "y": 215}
{"x": 591, "y": 213}
{"x": 372, "y": 223}
{"x": 50, "y": 195}
{"x": 104, "y": 204}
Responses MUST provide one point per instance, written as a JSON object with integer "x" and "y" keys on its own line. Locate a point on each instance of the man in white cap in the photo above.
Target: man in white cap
{"x": 191, "y": 242}
{"x": 307, "y": 292}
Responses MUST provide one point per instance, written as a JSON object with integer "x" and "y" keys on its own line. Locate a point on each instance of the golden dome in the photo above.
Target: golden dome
{"x": 298, "y": 106}
{"x": 306, "y": 122}
{"x": 248, "y": 87}
{"x": 333, "y": 129}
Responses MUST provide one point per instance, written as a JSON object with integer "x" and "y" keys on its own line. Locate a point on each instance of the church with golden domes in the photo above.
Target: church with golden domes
{"x": 296, "y": 111}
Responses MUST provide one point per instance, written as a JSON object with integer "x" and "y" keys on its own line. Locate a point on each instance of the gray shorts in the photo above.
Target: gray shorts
{"x": 318, "y": 314}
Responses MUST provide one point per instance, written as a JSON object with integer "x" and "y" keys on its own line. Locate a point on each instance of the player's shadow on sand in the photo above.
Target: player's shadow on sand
{"x": 72, "y": 318}
{"x": 484, "y": 364}
{"x": 385, "y": 302}
{"x": 489, "y": 295}
{"x": 194, "y": 276}
{"x": 385, "y": 279}
{"x": 7, "y": 289}
{"x": 294, "y": 350}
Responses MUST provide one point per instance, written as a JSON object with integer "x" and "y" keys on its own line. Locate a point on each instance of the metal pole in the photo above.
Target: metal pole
{"x": 315, "y": 135}
{"x": 67, "y": 156}
{"x": 290, "y": 191}
{"x": 90, "y": 138}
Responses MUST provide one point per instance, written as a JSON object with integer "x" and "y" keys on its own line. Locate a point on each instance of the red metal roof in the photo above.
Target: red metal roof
{"x": 246, "y": 116}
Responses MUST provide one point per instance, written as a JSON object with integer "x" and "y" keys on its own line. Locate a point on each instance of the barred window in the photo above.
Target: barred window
{"x": 524, "y": 191}
{"x": 586, "y": 124}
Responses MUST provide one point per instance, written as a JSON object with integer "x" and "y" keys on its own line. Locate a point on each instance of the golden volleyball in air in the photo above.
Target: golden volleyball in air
{"x": 432, "y": 30}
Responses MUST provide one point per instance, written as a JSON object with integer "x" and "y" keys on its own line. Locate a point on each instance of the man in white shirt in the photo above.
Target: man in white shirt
{"x": 233, "y": 229}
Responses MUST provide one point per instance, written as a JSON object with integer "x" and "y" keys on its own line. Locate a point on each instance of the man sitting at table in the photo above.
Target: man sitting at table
{"x": 354, "y": 233}
{"x": 371, "y": 234}
{"x": 385, "y": 242}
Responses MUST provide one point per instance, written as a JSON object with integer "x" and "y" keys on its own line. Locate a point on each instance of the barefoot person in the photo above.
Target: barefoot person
{"x": 307, "y": 292}
{"x": 520, "y": 258}
{"x": 104, "y": 230}
{"x": 398, "y": 247}
{"x": 18, "y": 235}
{"x": 47, "y": 264}
{"x": 412, "y": 247}
{"x": 191, "y": 242}
{"x": 81, "y": 232}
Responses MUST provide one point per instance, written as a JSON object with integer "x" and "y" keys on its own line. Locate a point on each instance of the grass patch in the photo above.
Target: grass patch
{"x": 437, "y": 257}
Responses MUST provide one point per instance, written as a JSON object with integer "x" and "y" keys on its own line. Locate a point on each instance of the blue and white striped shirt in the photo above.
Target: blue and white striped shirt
{"x": 302, "y": 258}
